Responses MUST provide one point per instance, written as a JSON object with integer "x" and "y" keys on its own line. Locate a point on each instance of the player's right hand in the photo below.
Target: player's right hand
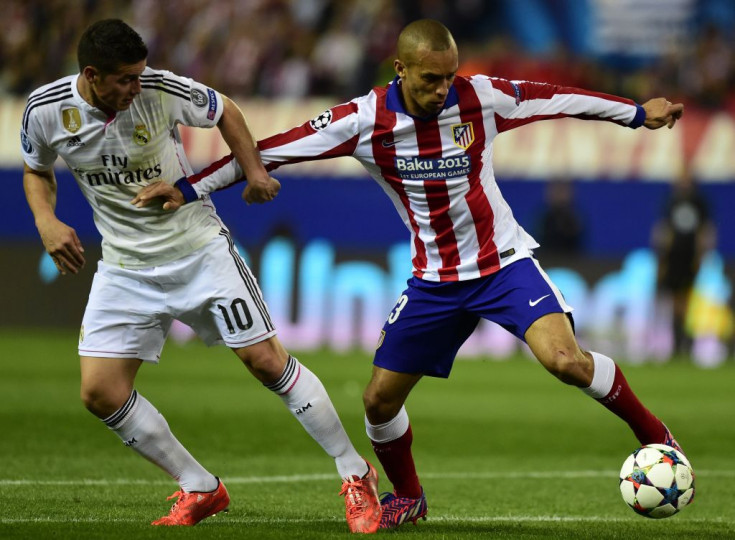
{"x": 660, "y": 112}
{"x": 261, "y": 191}
{"x": 62, "y": 243}
{"x": 171, "y": 196}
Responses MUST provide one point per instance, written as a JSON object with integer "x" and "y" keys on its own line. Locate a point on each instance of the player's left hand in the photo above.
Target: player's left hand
{"x": 661, "y": 112}
{"x": 171, "y": 196}
{"x": 260, "y": 191}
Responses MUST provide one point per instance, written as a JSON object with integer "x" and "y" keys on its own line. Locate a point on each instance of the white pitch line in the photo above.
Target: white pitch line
{"x": 231, "y": 520}
{"x": 530, "y": 475}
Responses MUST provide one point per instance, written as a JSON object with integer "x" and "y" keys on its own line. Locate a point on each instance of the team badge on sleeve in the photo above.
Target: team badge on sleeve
{"x": 463, "y": 135}
{"x": 198, "y": 98}
{"x": 27, "y": 146}
{"x": 321, "y": 121}
{"x": 212, "y": 112}
{"x": 72, "y": 119}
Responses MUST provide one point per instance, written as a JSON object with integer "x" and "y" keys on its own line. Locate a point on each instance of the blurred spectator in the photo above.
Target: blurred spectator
{"x": 561, "y": 228}
{"x": 681, "y": 238}
{"x": 299, "y": 48}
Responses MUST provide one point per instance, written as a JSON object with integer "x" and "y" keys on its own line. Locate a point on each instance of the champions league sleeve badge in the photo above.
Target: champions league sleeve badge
{"x": 27, "y": 146}
{"x": 321, "y": 121}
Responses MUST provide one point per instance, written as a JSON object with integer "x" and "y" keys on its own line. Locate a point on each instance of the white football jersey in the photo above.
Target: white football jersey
{"x": 113, "y": 157}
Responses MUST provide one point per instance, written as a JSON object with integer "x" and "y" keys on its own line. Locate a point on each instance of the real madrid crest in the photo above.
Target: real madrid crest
{"x": 141, "y": 135}
{"x": 72, "y": 119}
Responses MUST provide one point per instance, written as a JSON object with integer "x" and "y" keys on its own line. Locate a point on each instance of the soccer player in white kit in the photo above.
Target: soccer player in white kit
{"x": 426, "y": 139}
{"x": 115, "y": 126}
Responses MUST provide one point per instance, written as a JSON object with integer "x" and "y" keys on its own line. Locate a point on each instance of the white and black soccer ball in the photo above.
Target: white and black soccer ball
{"x": 657, "y": 481}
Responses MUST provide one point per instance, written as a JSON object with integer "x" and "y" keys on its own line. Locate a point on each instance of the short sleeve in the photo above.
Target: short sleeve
{"x": 191, "y": 103}
{"x": 36, "y": 154}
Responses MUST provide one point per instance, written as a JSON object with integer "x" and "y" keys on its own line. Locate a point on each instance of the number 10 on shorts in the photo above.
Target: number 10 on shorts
{"x": 239, "y": 312}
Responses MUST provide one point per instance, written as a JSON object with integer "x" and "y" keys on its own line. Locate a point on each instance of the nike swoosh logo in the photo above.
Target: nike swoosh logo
{"x": 534, "y": 302}
{"x": 389, "y": 144}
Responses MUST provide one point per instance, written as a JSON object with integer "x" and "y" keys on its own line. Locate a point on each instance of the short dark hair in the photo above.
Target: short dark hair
{"x": 109, "y": 44}
{"x": 425, "y": 32}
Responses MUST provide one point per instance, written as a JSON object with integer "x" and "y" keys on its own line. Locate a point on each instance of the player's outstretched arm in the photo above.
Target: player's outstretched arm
{"x": 60, "y": 240}
{"x": 660, "y": 112}
{"x": 174, "y": 196}
{"x": 261, "y": 186}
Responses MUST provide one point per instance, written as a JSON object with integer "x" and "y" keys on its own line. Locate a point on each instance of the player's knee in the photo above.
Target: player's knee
{"x": 568, "y": 366}
{"x": 379, "y": 408}
{"x": 264, "y": 367}
{"x": 101, "y": 401}
{"x": 91, "y": 397}
{"x": 265, "y": 363}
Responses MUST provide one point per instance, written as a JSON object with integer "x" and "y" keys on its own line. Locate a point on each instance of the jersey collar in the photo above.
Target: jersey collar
{"x": 395, "y": 103}
{"x": 77, "y": 96}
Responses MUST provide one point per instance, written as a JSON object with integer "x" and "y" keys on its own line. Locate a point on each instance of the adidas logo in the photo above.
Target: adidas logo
{"x": 74, "y": 141}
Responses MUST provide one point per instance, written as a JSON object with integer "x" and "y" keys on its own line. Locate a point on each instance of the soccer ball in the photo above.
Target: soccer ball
{"x": 657, "y": 481}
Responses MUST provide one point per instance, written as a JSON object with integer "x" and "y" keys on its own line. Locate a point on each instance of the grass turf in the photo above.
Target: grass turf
{"x": 503, "y": 450}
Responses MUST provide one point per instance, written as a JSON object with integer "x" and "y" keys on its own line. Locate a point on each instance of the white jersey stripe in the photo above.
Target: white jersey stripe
{"x": 477, "y": 199}
{"x": 384, "y": 143}
{"x": 436, "y": 199}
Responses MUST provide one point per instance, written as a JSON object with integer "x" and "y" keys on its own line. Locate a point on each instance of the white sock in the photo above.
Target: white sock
{"x": 391, "y": 430}
{"x": 145, "y": 430}
{"x": 603, "y": 377}
{"x": 306, "y": 398}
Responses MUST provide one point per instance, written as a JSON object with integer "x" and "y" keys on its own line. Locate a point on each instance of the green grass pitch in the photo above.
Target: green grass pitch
{"x": 503, "y": 450}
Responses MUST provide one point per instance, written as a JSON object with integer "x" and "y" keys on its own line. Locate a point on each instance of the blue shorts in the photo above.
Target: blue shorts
{"x": 431, "y": 320}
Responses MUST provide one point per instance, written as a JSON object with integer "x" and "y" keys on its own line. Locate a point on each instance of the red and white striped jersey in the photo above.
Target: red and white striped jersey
{"x": 438, "y": 170}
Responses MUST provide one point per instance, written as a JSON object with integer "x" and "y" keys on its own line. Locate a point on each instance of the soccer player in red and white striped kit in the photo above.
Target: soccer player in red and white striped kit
{"x": 426, "y": 138}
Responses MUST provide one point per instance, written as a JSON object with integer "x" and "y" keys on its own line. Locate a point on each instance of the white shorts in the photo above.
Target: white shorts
{"x": 129, "y": 312}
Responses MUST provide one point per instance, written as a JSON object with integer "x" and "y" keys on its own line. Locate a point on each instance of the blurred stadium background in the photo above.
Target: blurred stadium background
{"x": 330, "y": 254}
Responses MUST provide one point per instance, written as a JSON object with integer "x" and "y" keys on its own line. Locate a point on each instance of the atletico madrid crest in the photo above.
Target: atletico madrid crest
{"x": 463, "y": 135}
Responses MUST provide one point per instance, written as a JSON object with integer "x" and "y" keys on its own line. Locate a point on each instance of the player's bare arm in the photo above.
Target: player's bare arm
{"x": 261, "y": 186}
{"x": 60, "y": 240}
{"x": 660, "y": 112}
